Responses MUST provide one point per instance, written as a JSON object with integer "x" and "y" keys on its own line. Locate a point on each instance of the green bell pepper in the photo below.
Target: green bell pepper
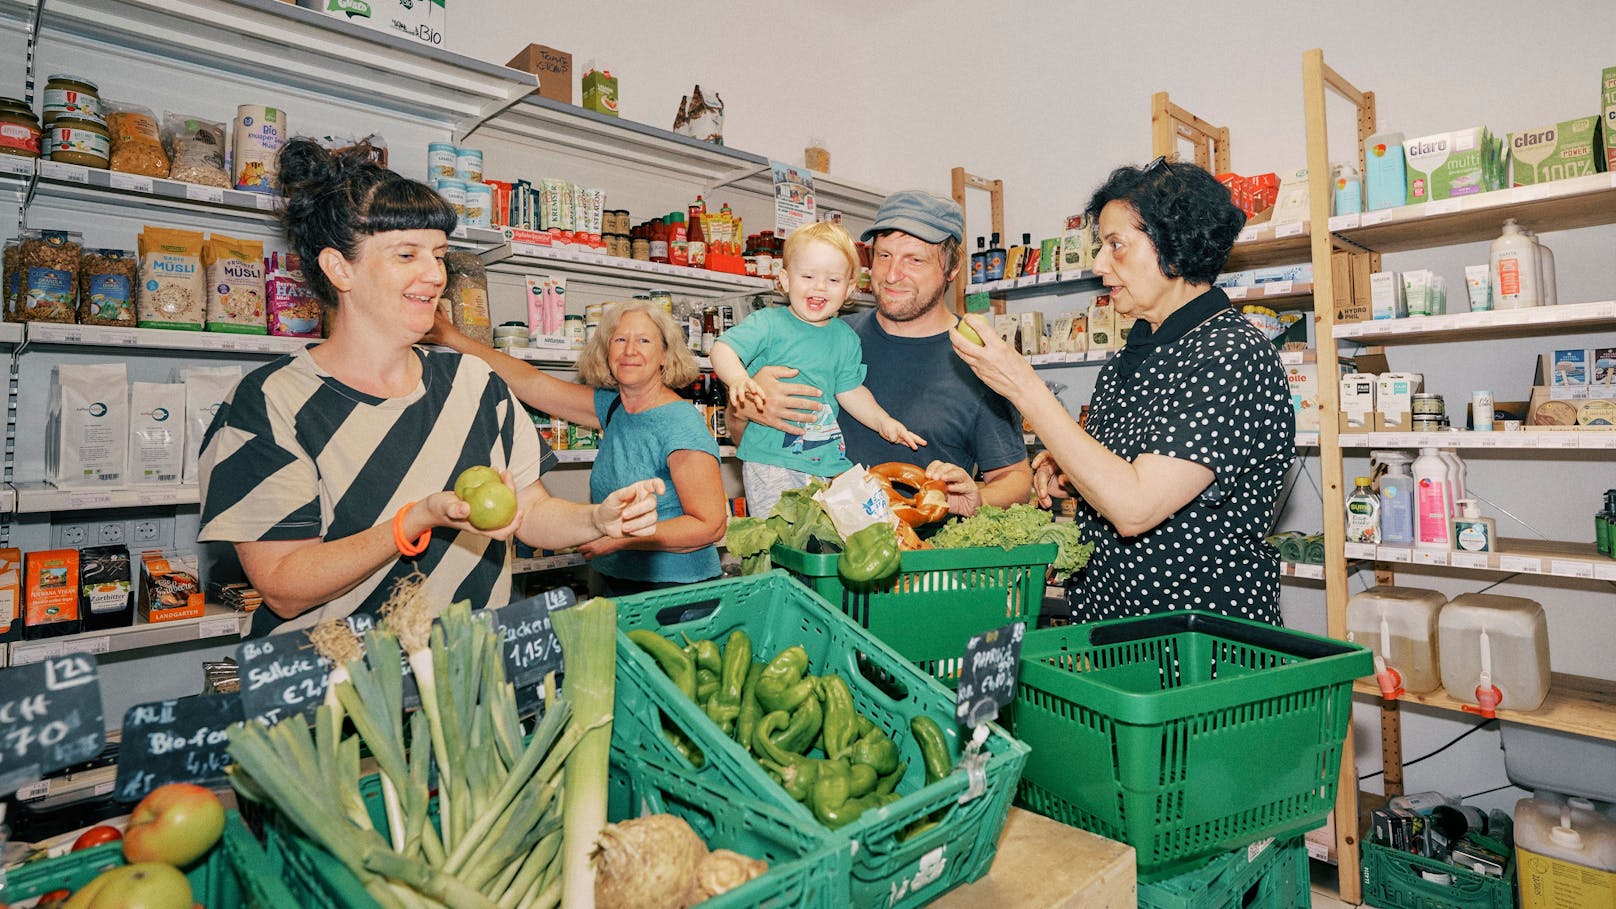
{"x": 724, "y": 706}
{"x": 804, "y": 725}
{"x": 782, "y": 686}
{"x": 705, "y": 655}
{"x": 670, "y": 656}
{"x": 830, "y": 791}
{"x": 751, "y": 710}
{"x": 933, "y": 748}
{"x": 870, "y": 555}
{"x": 862, "y": 780}
{"x": 797, "y": 774}
{"x": 706, "y": 685}
{"x": 876, "y": 749}
{"x": 841, "y": 719}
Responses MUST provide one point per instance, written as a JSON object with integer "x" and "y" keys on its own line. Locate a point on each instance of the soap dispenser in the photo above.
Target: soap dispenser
{"x": 1514, "y": 265}
{"x": 1471, "y": 531}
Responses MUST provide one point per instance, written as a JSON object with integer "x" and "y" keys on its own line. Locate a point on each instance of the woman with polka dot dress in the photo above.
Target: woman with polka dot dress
{"x": 1190, "y": 432}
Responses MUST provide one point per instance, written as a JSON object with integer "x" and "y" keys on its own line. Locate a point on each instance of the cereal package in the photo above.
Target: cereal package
{"x": 47, "y": 273}
{"x": 173, "y": 290}
{"x": 196, "y": 150}
{"x": 137, "y": 145}
{"x": 235, "y": 285}
{"x": 294, "y": 311}
{"x": 466, "y": 295}
{"x": 107, "y": 282}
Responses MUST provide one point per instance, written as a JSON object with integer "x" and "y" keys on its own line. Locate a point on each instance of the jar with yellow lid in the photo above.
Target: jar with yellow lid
{"x": 79, "y": 140}
{"x": 19, "y": 129}
{"x": 71, "y": 96}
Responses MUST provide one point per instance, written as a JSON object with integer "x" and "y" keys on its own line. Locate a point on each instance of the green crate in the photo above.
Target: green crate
{"x": 234, "y": 873}
{"x": 938, "y": 600}
{"x": 776, "y": 612}
{"x": 725, "y": 819}
{"x": 1393, "y": 879}
{"x": 1184, "y": 734}
{"x": 1259, "y": 876}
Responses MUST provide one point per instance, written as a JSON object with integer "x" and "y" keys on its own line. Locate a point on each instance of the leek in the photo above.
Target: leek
{"x": 588, "y": 635}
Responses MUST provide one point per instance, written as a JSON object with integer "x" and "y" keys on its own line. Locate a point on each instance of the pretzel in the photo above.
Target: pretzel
{"x": 928, "y": 503}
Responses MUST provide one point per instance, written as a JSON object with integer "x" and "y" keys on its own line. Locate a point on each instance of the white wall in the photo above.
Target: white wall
{"x": 1050, "y": 96}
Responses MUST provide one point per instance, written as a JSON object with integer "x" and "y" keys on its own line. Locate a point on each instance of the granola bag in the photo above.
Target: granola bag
{"x": 137, "y": 143}
{"x": 48, "y": 276}
{"x": 173, "y": 288}
{"x": 195, "y": 150}
{"x": 107, "y": 282}
{"x": 235, "y": 285}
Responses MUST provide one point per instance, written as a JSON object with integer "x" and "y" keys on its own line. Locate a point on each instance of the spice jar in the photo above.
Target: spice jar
{"x": 70, "y": 96}
{"x": 80, "y": 140}
{"x": 19, "y": 129}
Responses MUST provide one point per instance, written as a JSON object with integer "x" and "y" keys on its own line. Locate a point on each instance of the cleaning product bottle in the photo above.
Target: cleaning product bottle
{"x": 1385, "y": 176}
{"x": 1567, "y": 852}
{"x": 1514, "y": 263}
{"x": 1545, "y": 270}
{"x": 1458, "y": 478}
{"x": 1396, "y": 498}
{"x": 1363, "y": 513}
{"x": 1471, "y": 531}
{"x": 1348, "y": 199}
{"x": 1433, "y": 501}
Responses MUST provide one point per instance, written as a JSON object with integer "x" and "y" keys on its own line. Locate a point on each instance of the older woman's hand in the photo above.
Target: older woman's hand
{"x": 1048, "y": 483}
{"x": 443, "y": 329}
{"x": 630, "y": 511}
{"x": 1000, "y": 366}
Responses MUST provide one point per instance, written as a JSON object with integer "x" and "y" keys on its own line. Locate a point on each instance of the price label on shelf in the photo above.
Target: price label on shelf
{"x": 1596, "y": 439}
{"x": 1558, "y": 440}
{"x": 1430, "y": 557}
{"x": 1605, "y": 572}
{"x": 1360, "y": 550}
{"x": 1315, "y": 572}
{"x": 1277, "y": 288}
{"x": 1236, "y": 293}
{"x": 1095, "y": 356}
{"x": 263, "y": 202}
{"x": 77, "y": 500}
{"x": 100, "y": 643}
{"x": 1393, "y": 554}
{"x": 1533, "y": 192}
{"x": 211, "y": 194}
{"x": 1026, "y": 280}
{"x": 67, "y": 173}
{"x": 1048, "y": 277}
{"x": 1441, "y": 207}
{"x": 220, "y": 627}
{"x": 16, "y": 165}
{"x": 1468, "y": 560}
{"x": 1344, "y": 222}
{"x": 1288, "y": 229}
{"x": 35, "y": 790}
{"x": 1571, "y": 568}
{"x": 1371, "y": 218}
{"x": 1247, "y": 235}
{"x": 130, "y": 182}
{"x": 1523, "y": 564}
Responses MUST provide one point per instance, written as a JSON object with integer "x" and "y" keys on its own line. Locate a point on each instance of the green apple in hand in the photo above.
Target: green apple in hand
{"x": 175, "y": 823}
{"x": 472, "y": 477}
{"x": 493, "y": 505}
{"x": 145, "y": 885}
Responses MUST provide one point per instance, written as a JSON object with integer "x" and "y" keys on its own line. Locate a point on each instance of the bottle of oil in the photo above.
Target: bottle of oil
{"x": 979, "y": 261}
{"x": 993, "y": 269}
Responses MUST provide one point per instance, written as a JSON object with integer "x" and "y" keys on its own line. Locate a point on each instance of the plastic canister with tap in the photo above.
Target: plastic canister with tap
{"x": 1494, "y": 652}
{"x": 1566, "y": 852}
{"x": 1399, "y": 624}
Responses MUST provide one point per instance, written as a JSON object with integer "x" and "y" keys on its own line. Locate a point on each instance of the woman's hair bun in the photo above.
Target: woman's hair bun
{"x": 305, "y": 167}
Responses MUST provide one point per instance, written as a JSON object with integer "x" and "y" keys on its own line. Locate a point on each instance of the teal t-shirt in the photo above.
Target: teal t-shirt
{"x": 826, "y": 356}
{"x": 636, "y": 446}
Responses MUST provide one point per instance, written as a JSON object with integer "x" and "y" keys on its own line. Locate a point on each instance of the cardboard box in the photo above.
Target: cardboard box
{"x": 1387, "y": 298}
{"x": 1607, "y": 96}
{"x": 1394, "y": 400}
{"x": 553, "y": 67}
{"x": 1566, "y": 367}
{"x": 1459, "y": 163}
{"x": 1303, "y": 379}
{"x": 172, "y": 588}
{"x": 1357, "y": 413}
{"x": 1571, "y": 148}
{"x": 419, "y": 20}
{"x": 1604, "y": 363}
{"x": 600, "y": 92}
{"x": 10, "y": 594}
{"x": 1032, "y": 332}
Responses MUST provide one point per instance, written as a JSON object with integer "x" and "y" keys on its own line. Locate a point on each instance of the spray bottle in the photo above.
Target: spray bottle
{"x": 1396, "y": 497}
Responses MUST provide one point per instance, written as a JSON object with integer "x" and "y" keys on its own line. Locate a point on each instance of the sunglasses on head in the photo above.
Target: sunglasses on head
{"x": 1158, "y": 162}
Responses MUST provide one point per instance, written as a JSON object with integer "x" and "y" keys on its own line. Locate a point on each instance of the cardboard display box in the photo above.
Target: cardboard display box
{"x": 418, "y": 20}
{"x": 553, "y": 67}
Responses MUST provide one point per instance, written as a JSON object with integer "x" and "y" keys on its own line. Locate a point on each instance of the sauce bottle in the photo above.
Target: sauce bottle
{"x": 678, "y": 240}
{"x": 696, "y": 240}
{"x": 659, "y": 241}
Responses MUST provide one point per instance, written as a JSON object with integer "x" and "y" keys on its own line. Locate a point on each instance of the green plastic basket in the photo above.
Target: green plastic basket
{"x": 1184, "y": 734}
{"x": 1264, "y": 875}
{"x": 235, "y": 873}
{"x": 1393, "y": 879}
{"x": 938, "y": 600}
{"x": 776, "y": 612}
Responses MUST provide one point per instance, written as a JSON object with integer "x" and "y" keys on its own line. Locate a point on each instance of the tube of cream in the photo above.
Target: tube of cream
{"x": 1478, "y": 283}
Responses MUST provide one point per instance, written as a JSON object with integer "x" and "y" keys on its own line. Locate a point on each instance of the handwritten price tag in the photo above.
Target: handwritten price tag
{"x": 988, "y": 676}
{"x": 177, "y": 741}
{"x": 50, "y": 717}
{"x": 529, "y": 645}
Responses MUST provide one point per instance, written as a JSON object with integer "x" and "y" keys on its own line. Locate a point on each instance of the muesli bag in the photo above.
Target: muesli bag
{"x": 173, "y": 289}
{"x": 235, "y": 285}
{"x": 87, "y": 425}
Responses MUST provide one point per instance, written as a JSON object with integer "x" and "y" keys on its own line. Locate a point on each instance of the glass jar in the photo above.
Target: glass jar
{"x": 80, "y": 140}
{"x": 19, "y": 129}
{"x": 71, "y": 96}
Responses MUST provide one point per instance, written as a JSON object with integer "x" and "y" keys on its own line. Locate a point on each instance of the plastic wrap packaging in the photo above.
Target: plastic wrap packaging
{"x": 467, "y": 296}
{"x": 196, "y": 150}
{"x": 137, "y": 142}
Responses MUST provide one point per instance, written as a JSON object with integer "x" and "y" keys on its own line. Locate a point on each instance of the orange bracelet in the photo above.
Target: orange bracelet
{"x": 405, "y": 546}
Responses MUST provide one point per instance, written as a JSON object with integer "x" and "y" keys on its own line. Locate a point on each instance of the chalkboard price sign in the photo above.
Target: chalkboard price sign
{"x": 988, "y": 677}
{"x": 283, "y": 676}
{"x": 529, "y": 645}
{"x": 50, "y": 718}
{"x": 178, "y": 741}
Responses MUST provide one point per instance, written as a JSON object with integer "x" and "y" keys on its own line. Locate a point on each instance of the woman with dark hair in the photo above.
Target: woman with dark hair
{"x": 630, "y": 369}
{"x": 1190, "y": 432}
{"x": 324, "y": 467}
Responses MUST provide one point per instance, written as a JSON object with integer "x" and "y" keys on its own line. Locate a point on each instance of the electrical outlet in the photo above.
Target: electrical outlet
{"x": 74, "y": 536}
{"x": 144, "y": 531}
{"x": 111, "y": 533}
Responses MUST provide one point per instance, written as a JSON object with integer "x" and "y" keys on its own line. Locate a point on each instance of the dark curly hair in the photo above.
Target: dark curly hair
{"x": 336, "y": 199}
{"x": 1185, "y": 212}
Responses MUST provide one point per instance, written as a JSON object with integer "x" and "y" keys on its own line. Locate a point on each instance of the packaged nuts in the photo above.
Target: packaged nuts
{"x": 107, "y": 282}
{"x": 48, "y": 268}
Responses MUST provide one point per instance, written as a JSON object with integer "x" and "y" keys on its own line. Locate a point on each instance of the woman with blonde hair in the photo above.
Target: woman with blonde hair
{"x": 630, "y": 368}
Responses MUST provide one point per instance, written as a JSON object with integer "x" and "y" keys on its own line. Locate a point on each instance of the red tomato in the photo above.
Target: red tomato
{"x": 95, "y": 836}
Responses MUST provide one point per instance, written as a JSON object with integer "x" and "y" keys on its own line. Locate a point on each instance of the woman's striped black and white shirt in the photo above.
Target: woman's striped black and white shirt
{"x": 294, "y": 454}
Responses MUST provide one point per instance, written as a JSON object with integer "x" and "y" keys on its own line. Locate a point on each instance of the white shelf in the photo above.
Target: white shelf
{"x": 619, "y": 272}
{"x": 1557, "y": 205}
{"x": 1566, "y": 560}
{"x": 546, "y": 563}
{"x": 294, "y": 48}
{"x": 39, "y": 498}
{"x": 217, "y": 621}
{"x": 588, "y": 455}
{"x": 1498, "y": 323}
{"x": 1049, "y": 282}
{"x": 11, "y": 333}
{"x": 161, "y": 339}
{"x": 1303, "y": 570}
{"x": 476, "y": 236}
{"x": 1277, "y": 294}
{"x": 662, "y": 153}
{"x": 1528, "y": 438}
{"x": 1063, "y": 360}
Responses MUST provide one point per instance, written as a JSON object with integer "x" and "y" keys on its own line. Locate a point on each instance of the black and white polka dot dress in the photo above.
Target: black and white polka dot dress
{"x": 1216, "y": 396}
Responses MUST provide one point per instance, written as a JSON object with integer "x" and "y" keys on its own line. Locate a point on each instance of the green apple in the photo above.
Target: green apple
{"x": 493, "y": 505}
{"x": 145, "y": 885}
{"x": 471, "y": 478}
{"x": 176, "y": 823}
{"x": 970, "y": 333}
